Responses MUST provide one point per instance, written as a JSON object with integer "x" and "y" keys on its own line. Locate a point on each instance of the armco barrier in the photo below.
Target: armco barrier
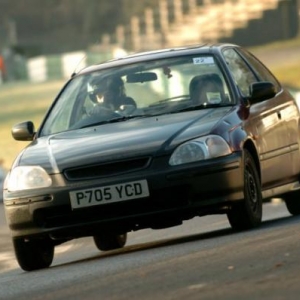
{"x": 37, "y": 69}
{"x": 43, "y": 68}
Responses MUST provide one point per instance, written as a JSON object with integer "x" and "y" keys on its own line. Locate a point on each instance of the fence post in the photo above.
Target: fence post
{"x": 149, "y": 26}
{"x": 163, "y": 21}
{"x": 120, "y": 34}
{"x": 178, "y": 10}
{"x": 298, "y": 10}
{"x": 135, "y": 33}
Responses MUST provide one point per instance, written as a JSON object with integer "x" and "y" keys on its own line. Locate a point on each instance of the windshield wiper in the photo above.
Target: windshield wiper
{"x": 115, "y": 120}
{"x": 200, "y": 106}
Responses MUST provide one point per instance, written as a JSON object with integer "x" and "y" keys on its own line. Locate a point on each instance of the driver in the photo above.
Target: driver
{"x": 110, "y": 93}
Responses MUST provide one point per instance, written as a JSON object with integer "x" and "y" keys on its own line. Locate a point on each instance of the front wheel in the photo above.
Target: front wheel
{"x": 247, "y": 214}
{"x": 33, "y": 254}
{"x": 110, "y": 241}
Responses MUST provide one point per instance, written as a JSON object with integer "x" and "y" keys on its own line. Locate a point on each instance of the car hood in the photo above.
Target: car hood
{"x": 116, "y": 141}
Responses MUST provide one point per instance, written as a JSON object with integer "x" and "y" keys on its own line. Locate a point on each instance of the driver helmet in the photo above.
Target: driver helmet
{"x": 106, "y": 88}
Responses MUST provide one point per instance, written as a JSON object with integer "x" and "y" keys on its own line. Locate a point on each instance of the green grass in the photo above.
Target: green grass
{"x": 287, "y": 73}
{"x": 279, "y": 45}
{"x": 27, "y": 101}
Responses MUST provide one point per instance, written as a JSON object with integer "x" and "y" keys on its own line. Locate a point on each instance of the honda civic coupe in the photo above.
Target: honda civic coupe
{"x": 151, "y": 140}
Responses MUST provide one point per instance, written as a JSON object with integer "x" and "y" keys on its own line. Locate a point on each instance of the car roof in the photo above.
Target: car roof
{"x": 157, "y": 54}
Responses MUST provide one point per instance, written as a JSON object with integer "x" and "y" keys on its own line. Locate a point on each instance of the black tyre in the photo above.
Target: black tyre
{"x": 247, "y": 214}
{"x": 110, "y": 241}
{"x": 292, "y": 202}
{"x": 33, "y": 254}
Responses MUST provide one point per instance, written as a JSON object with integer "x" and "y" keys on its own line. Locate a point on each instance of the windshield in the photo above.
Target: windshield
{"x": 143, "y": 89}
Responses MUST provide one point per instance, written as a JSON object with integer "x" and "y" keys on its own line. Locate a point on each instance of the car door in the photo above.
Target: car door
{"x": 273, "y": 123}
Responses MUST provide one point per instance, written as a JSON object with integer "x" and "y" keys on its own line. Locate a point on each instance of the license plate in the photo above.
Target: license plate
{"x": 109, "y": 194}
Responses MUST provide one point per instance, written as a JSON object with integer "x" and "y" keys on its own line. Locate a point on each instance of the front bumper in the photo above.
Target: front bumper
{"x": 176, "y": 194}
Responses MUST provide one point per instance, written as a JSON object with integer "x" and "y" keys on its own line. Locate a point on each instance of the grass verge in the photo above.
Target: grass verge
{"x": 21, "y": 102}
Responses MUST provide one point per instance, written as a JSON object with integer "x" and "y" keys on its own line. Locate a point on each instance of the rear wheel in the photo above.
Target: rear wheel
{"x": 33, "y": 254}
{"x": 110, "y": 241}
{"x": 248, "y": 213}
{"x": 292, "y": 202}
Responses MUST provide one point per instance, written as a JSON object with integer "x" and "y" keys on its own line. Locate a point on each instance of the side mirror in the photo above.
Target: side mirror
{"x": 23, "y": 131}
{"x": 260, "y": 91}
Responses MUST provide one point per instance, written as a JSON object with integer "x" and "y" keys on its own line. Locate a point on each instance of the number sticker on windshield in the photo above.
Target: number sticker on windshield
{"x": 203, "y": 60}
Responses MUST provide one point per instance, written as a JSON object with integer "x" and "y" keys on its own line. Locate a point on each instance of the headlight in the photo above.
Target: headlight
{"x": 29, "y": 177}
{"x": 200, "y": 149}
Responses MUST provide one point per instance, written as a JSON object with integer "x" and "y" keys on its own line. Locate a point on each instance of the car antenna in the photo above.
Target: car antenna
{"x": 78, "y": 64}
{"x": 82, "y": 59}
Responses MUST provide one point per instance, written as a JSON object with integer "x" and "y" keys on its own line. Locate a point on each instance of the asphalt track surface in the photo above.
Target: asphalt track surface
{"x": 202, "y": 259}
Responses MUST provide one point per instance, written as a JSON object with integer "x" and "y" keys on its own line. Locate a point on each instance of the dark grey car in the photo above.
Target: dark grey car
{"x": 151, "y": 140}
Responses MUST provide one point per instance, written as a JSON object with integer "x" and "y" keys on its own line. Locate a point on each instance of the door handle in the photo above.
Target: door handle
{"x": 279, "y": 115}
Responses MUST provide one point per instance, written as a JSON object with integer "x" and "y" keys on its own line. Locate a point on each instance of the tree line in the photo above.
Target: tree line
{"x": 35, "y": 27}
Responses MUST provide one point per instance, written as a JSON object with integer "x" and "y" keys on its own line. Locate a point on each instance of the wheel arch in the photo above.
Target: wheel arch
{"x": 252, "y": 150}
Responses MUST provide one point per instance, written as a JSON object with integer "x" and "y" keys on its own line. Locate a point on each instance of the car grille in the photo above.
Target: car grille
{"x": 107, "y": 169}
